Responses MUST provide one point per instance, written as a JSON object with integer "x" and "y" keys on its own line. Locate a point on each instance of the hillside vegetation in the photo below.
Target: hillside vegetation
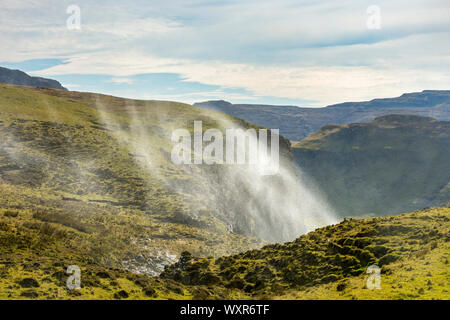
{"x": 86, "y": 180}
{"x": 330, "y": 263}
{"x": 64, "y": 171}
{"x": 394, "y": 164}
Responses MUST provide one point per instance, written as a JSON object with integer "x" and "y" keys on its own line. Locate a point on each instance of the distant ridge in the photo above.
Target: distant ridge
{"x": 21, "y": 78}
{"x": 406, "y": 100}
{"x": 296, "y": 123}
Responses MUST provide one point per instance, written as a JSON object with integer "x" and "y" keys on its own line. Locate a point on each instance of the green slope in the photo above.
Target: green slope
{"x": 86, "y": 180}
{"x": 393, "y": 164}
{"x": 330, "y": 263}
{"x": 63, "y": 167}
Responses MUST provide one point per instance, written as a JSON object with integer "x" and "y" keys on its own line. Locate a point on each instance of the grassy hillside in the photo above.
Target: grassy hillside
{"x": 65, "y": 171}
{"x": 35, "y": 254}
{"x": 393, "y": 164}
{"x": 330, "y": 263}
{"x": 86, "y": 180}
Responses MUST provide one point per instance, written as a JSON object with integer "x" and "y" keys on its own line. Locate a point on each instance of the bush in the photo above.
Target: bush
{"x": 378, "y": 250}
{"x": 341, "y": 286}
{"x": 389, "y": 258}
{"x": 11, "y": 213}
{"x": 421, "y": 253}
{"x": 329, "y": 278}
{"x": 29, "y": 294}
{"x": 63, "y": 219}
{"x": 150, "y": 292}
{"x": 122, "y": 294}
{"x": 29, "y": 283}
{"x": 3, "y": 226}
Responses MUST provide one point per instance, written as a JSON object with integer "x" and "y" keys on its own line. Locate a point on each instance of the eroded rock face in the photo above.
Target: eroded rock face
{"x": 394, "y": 164}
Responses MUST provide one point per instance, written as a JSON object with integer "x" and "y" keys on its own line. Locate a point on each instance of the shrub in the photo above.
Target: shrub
{"x": 329, "y": 278}
{"x": 29, "y": 283}
{"x": 421, "y": 253}
{"x": 341, "y": 286}
{"x": 63, "y": 219}
{"x": 378, "y": 250}
{"x": 11, "y": 213}
{"x": 389, "y": 258}
{"x": 29, "y": 294}
{"x": 3, "y": 226}
{"x": 150, "y": 292}
{"x": 122, "y": 294}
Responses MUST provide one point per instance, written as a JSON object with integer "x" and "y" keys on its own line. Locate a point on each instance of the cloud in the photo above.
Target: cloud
{"x": 71, "y": 86}
{"x": 121, "y": 80}
{"x": 304, "y": 50}
{"x": 322, "y": 84}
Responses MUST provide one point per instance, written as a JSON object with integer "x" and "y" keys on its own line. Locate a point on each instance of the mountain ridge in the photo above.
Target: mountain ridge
{"x": 18, "y": 77}
{"x": 296, "y": 123}
{"x": 406, "y": 100}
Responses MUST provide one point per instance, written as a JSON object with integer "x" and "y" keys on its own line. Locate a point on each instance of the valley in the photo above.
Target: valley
{"x": 87, "y": 180}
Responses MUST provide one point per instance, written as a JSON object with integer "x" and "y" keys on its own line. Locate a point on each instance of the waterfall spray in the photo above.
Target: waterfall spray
{"x": 276, "y": 208}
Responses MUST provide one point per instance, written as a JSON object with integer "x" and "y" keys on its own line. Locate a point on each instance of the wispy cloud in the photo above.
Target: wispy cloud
{"x": 121, "y": 80}
{"x": 318, "y": 51}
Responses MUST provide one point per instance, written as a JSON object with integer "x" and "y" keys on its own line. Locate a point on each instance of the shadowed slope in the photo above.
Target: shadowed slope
{"x": 393, "y": 164}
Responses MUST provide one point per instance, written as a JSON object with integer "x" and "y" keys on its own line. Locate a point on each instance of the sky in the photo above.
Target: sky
{"x": 306, "y": 53}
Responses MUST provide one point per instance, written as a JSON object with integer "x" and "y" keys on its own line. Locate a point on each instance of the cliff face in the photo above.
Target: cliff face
{"x": 393, "y": 164}
{"x": 18, "y": 77}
